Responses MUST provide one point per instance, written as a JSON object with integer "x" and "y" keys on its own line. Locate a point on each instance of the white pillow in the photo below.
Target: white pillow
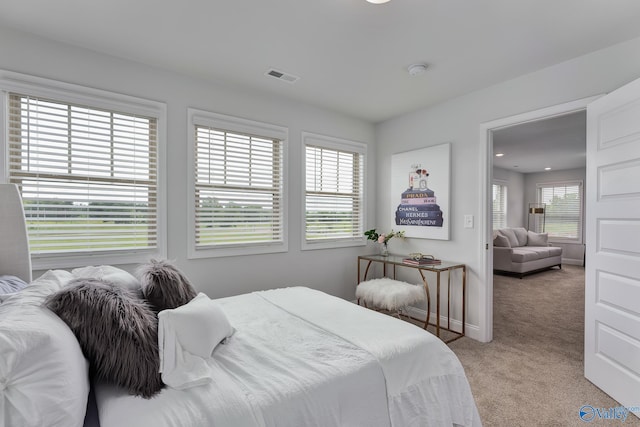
{"x": 10, "y": 284}
{"x": 187, "y": 336}
{"x": 108, "y": 273}
{"x": 200, "y": 325}
{"x": 36, "y": 292}
{"x": 537, "y": 239}
{"x": 44, "y": 378}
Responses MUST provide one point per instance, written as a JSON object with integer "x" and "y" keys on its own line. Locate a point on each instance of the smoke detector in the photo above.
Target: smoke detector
{"x": 281, "y": 75}
{"x": 415, "y": 69}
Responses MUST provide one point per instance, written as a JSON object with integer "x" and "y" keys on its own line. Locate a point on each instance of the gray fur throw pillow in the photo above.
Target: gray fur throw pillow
{"x": 164, "y": 286}
{"x": 117, "y": 331}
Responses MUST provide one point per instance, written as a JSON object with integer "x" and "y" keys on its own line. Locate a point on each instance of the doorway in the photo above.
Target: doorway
{"x": 486, "y": 168}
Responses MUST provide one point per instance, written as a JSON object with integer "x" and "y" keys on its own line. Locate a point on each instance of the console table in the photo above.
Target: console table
{"x": 448, "y": 266}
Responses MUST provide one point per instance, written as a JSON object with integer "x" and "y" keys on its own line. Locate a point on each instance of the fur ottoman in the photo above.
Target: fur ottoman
{"x": 389, "y": 294}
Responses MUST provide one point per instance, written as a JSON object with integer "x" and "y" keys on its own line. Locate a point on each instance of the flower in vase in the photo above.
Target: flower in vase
{"x": 382, "y": 238}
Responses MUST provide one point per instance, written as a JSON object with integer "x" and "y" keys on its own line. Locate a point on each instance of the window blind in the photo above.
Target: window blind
{"x": 563, "y": 209}
{"x": 238, "y": 188}
{"x": 334, "y": 194}
{"x": 88, "y": 176}
{"x": 499, "y": 206}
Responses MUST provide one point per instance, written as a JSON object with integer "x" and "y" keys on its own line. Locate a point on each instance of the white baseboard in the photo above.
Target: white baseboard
{"x": 572, "y": 261}
{"x": 471, "y": 331}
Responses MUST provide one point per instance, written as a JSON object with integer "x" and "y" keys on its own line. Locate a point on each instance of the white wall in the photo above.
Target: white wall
{"x": 333, "y": 271}
{"x": 458, "y": 121}
{"x": 515, "y": 195}
{"x": 571, "y": 253}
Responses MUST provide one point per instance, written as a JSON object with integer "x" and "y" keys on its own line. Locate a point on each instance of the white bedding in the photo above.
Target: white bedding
{"x": 300, "y": 357}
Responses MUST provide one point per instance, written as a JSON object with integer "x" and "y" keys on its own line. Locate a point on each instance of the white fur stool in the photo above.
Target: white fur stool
{"x": 389, "y": 294}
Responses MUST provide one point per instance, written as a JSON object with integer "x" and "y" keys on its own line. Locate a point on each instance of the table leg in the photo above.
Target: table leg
{"x": 438, "y": 305}
{"x": 464, "y": 292}
{"x": 449, "y": 299}
{"x": 426, "y": 290}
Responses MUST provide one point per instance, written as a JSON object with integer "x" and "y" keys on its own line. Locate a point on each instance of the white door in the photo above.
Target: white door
{"x": 612, "y": 289}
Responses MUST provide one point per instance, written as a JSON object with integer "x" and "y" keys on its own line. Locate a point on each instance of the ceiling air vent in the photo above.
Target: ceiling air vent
{"x": 285, "y": 77}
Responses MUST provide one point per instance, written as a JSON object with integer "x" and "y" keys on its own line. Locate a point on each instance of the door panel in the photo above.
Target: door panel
{"x": 612, "y": 272}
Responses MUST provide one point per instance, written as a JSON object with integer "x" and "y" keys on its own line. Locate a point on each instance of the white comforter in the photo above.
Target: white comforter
{"x": 300, "y": 357}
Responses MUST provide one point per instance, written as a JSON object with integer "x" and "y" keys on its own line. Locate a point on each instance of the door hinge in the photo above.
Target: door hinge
{"x": 486, "y": 246}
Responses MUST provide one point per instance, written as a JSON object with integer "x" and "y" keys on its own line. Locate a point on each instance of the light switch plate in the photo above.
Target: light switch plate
{"x": 468, "y": 221}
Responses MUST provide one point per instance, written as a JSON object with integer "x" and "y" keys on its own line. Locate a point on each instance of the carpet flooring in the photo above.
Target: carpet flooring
{"x": 532, "y": 373}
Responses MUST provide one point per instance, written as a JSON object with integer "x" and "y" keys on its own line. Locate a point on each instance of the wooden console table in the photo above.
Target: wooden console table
{"x": 448, "y": 266}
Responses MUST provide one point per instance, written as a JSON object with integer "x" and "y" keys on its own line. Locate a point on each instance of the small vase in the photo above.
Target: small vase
{"x": 384, "y": 249}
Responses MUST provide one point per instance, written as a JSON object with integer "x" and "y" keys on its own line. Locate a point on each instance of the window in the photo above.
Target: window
{"x": 563, "y": 210}
{"x": 238, "y": 204}
{"x": 88, "y": 175}
{"x": 499, "y": 206}
{"x": 334, "y": 192}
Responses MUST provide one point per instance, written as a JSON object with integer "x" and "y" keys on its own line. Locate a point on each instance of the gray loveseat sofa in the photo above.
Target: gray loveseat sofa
{"x": 518, "y": 251}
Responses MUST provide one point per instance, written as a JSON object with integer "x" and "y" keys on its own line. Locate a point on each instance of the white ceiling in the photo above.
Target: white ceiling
{"x": 558, "y": 143}
{"x": 351, "y": 56}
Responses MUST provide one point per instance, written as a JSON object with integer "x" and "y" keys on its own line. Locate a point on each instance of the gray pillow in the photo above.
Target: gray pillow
{"x": 117, "y": 331}
{"x": 164, "y": 286}
{"x": 521, "y": 235}
{"x": 501, "y": 241}
{"x": 511, "y": 235}
{"x": 10, "y": 284}
{"x": 537, "y": 239}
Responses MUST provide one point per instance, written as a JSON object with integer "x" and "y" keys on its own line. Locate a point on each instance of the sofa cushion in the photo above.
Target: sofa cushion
{"x": 537, "y": 239}
{"x": 501, "y": 241}
{"x": 524, "y": 255}
{"x": 542, "y": 251}
{"x": 511, "y": 235}
{"x": 554, "y": 251}
{"x": 521, "y": 235}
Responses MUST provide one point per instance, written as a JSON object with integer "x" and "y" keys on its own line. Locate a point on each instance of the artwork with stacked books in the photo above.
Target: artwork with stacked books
{"x": 418, "y": 204}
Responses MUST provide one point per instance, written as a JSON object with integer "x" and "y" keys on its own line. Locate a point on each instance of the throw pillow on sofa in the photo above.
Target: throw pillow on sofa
{"x": 511, "y": 235}
{"x": 521, "y": 235}
{"x": 501, "y": 241}
{"x": 537, "y": 239}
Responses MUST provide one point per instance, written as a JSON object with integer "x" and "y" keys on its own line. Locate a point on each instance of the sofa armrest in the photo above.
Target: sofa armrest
{"x": 502, "y": 258}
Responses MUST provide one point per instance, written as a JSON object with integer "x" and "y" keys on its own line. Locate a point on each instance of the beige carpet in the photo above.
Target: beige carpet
{"x": 531, "y": 374}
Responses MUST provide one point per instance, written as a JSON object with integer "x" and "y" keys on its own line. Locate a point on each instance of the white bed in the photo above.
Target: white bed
{"x": 298, "y": 357}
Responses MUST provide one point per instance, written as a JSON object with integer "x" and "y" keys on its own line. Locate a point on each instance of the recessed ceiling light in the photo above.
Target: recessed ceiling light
{"x": 377, "y": 1}
{"x": 547, "y": 169}
{"x": 499, "y": 154}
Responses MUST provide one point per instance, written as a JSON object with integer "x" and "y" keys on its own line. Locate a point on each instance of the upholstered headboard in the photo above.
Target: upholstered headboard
{"x": 15, "y": 258}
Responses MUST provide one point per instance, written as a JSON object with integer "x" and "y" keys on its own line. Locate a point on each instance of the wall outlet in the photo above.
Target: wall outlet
{"x": 468, "y": 221}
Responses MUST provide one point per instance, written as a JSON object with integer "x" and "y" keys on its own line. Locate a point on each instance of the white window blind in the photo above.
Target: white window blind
{"x": 88, "y": 176}
{"x": 238, "y": 189}
{"x": 563, "y": 209}
{"x": 499, "y": 206}
{"x": 334, "y": 193}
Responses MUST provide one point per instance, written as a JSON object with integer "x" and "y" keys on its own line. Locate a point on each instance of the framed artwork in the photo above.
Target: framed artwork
{"x": 420, "y": 192}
